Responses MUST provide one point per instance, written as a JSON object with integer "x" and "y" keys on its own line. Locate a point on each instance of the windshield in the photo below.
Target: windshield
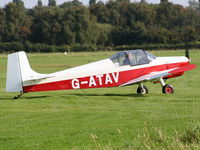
{"x": 137, "y": 57}
{"x": 132, "y": 58}
{"x": 150, "y": 56}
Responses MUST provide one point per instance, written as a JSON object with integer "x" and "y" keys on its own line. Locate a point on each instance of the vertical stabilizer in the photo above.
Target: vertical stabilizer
{"x": 18, "y": 70}
{"x": 14, "y": 78}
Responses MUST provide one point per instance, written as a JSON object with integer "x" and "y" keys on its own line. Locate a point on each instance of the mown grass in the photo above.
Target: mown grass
{"x": 109, "y": 118}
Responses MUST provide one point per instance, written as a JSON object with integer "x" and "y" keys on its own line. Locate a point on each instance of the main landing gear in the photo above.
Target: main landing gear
{"x": 166, "y": 88}
{"x": 142, "y": 89}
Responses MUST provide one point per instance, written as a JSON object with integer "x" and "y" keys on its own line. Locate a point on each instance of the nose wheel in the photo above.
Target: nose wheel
{"x": 166, "y": 88}
{"x": 142, "y": 89}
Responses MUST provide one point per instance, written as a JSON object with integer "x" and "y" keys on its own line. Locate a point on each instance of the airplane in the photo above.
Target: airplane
{"x": 122, "y": 69}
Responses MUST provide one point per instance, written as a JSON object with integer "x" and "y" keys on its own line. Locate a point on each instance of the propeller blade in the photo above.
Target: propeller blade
{"x": 187, "y": 54}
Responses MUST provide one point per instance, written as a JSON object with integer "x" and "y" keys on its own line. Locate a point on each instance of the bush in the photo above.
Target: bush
{"x": 158, "y": 46}
{"x": 11, "y": 47}
{"x": 81, "y": 48}
{"x": 64, "y": 48}
{"x": 44, "y": 48}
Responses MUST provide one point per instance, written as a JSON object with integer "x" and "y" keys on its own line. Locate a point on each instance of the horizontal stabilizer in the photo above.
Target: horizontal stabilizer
{"x": 38, "y": 77}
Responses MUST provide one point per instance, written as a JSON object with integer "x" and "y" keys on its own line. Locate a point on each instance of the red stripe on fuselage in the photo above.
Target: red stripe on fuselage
{"x": 104, "y": 80}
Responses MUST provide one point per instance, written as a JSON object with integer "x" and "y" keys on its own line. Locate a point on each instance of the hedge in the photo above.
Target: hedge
{"x": 8, "y": 47}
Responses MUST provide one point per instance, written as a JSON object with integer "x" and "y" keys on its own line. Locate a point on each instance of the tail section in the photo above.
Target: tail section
{"x": 18, "y": 70}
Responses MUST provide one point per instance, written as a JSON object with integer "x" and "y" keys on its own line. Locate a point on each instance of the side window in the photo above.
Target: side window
{"x": 138, "y": 57}
{"x": 123, "y": 59}
{"x": 142, "y": 58}
{"x": 120, "y": 59}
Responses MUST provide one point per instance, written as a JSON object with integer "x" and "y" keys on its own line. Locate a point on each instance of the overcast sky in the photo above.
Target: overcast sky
{"x": 31, "y": 3}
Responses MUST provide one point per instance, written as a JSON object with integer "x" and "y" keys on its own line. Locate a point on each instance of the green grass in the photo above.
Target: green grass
{"x": 109, "y": 118}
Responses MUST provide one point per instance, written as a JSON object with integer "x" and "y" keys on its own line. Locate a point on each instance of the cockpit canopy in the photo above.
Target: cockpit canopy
{"x": 132, "y": 58}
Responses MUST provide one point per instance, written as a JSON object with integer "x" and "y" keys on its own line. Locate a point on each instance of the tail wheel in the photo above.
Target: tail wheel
{"x": 143, "y": 90}
{"x": 168, "y": 89}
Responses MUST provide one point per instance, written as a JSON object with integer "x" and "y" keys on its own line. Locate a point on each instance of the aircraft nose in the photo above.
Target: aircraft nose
{"x": 189, "y": 59}
{"x": 179, "y": 59}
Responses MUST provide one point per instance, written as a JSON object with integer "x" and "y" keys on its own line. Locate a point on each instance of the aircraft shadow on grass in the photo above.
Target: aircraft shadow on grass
{"x": 115, "y": 95}
{"x": 36, "y": 97}
{"x": 75, "y": 94}
{"x": 27, "y": 98}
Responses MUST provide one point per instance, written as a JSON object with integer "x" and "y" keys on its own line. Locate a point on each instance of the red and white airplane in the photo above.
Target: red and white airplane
{"x": 122, "y": 69}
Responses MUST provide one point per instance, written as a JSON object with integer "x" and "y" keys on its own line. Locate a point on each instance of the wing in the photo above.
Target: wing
{"x": 155, "y": 75}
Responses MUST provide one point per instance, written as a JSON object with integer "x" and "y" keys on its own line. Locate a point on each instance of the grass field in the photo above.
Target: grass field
{"x": 109, "y": 118}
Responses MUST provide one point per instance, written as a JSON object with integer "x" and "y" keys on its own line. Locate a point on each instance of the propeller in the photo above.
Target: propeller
{"x": 187, "y": 54}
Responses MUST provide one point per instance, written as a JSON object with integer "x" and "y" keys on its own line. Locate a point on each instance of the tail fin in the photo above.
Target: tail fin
{"x": 18, "y": 70}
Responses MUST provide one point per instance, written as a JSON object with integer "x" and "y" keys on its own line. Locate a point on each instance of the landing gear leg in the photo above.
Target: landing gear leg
{"x": 166, "y": 88}
{"x": 18, "y": 96}
{"x": 142, "y": 89}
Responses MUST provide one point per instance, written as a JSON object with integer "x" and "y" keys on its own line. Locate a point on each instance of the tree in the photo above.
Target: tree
{"x": 158, "y": 35}
{"x": 39, "y": 4}
{"x": 120, "y": 1}
{"x": 101, "y": 12}
{"x": 2, "y": 24}
{"x": 164, "y": 13}
{"x": 71, "y": 4}
{"x": 68, "y": 37}
{"x": 92, "y": 2}
{"x": 46, "y": 27}
{"x": 16, "y": 1}
{"x": 143, "y": 1}
{"x": 137, "y": 33}
{"x": 17, "y": 22}
{"x": 194, "y": 5}
{"x": 76, "y": 3}
{"x": 117, "y": 22}
{"x": 52, "y": 3}
{"x": 163, "y": 1}
{"x": 100, "y": 2}
{"x": 188, "y": 35}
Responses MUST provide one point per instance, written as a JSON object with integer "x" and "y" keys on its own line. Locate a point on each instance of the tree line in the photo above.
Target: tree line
{"x": 117, "y": 23}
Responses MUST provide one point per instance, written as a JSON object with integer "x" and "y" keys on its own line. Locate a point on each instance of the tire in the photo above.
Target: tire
{"x": 168, "y": 89}
{"x": 143, "y": 90}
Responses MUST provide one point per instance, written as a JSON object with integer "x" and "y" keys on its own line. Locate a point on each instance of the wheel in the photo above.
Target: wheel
{"x": 143, "y": 90}
{"x": 168, "y": 89}
{"x": 15, "y": 97}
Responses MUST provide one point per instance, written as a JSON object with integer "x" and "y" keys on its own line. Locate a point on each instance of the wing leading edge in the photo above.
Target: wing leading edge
{"x": 155, "y": 75}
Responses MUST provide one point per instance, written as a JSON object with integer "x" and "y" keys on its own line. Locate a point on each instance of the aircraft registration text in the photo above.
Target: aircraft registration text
{"x": 96, "y": 81}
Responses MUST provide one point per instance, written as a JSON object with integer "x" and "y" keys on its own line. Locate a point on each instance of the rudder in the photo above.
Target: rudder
{"x": 18, "y": 71}
{"x": 14, "y": 77}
